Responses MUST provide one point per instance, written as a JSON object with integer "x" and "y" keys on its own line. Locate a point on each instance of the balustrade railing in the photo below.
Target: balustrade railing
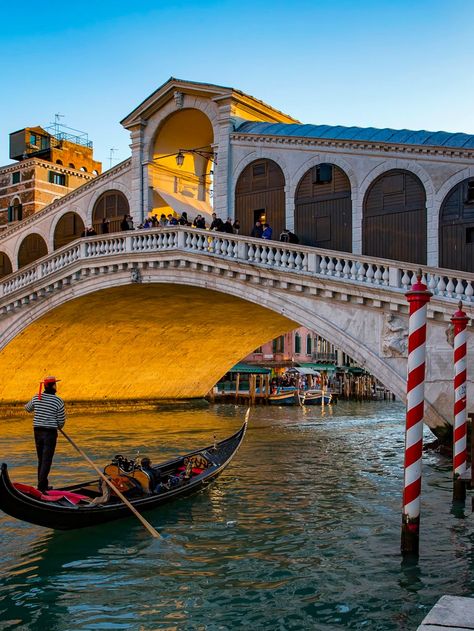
{"x": 301, "y": 260}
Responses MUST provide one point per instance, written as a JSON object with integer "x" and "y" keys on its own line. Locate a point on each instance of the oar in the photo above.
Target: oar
{"x": 148, "y": 526}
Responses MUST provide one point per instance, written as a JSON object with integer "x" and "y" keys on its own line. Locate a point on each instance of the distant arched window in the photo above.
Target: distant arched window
{"x": 297, "y": 343}
{"x": 5, "y": 265}
{"x": 15, "y": 210}
{"x": 32, "y": 247}
{"x": 111, "y": 205}
{"x": 59, "y": 162}
{"x": 71, "y": 166}
{"x": 308, "y": 345}
{"x": 94, "y": 172}
{"x": 83, "y": 169}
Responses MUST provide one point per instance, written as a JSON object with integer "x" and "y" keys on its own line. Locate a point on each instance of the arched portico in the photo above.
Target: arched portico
{"x": 394, "y": 223}
{"x": 323, "y": 208}
{"x": 260, "y": 196}
{"x": 5, "y": 265}
{"x": 68, "y": 228}
{"x": 112, "y": 205}
{"x": 32, "y": 248}
{"x": 456, "y": 227}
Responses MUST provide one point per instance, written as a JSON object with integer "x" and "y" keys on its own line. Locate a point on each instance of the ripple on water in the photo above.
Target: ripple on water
{"x": 301, "y": 532}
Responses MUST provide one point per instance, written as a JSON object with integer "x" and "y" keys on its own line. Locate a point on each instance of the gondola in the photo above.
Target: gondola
{"x": 284, "y": 396}
{"x": 63, "y": 515}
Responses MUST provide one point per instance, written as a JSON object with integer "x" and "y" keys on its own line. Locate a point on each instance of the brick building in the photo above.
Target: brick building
{"x": 48, "y": 166}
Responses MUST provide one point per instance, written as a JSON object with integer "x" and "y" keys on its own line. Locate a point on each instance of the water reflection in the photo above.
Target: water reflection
{"x": 302, "y": 531}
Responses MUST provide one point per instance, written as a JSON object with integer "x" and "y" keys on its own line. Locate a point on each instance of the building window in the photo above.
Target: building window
{"x": 322, "y": 174}
{"x": 15, "y": 211}
{"x": 297, "y": 344}
{"x": 32, "y": 139}
{"x": 258, "y": 350}
{"x": 259, "y": 170}
{"x": 279, "y": 344}
{"x": 16, "y": 177}
{"x": 57, "y": 178}
{"x": 308, "y": 345}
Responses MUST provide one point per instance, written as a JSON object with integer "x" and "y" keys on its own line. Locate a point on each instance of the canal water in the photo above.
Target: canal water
{"x": 302, "y": 531}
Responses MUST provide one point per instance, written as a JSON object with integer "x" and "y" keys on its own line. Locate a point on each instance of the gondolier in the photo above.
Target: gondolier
{"x": 49, "y": 415}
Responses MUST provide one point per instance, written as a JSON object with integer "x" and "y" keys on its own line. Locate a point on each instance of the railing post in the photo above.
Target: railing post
{"x": 181, "y": 239}
{"x": 242, "y": 251}
{"x": 394, "y": 277}
{"x": 312, "y": 262}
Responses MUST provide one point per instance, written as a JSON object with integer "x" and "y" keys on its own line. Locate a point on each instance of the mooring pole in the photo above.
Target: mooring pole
{"x": 418, "y": 298}
{"x": 459, "y": 321}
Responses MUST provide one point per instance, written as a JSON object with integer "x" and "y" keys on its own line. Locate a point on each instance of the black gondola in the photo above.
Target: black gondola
{"x": 62, "y": 515}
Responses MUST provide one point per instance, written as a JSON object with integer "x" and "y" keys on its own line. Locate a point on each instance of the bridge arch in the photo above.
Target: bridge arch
{"x": 260, "y": 196}
{"x": 31, "y": 248}
{"x": 5, "y": 265}
{"x": 394, "y": 220}
{"x": 456, "y": 227}
{"x": 67, "y": 228}
{"x": 323, "y": 208}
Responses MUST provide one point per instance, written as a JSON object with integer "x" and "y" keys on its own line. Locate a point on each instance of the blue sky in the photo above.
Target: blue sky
{"x": 385, "y": 63}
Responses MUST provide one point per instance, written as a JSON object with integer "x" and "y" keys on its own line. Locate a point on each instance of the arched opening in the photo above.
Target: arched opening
{"x": 59, "y": 162}
{"x": 112, "y": 206}
{"x": 5, "y": 265}
{"x": 394, "y": 218}
{"x": 323, "y": 208}
{"x": 15, "y": 210}
{"x": 83, "y": 169}
{"x": 456, "y": 228}
{"x": 260, "y": 196}
{"x": 185, "y": 184}
{"x": 71, "y": 165}
{"x": 68, "y": 228}
{"x": 32, "y": 248}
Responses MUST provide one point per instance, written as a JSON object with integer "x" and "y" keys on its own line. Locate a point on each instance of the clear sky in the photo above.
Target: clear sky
{"x": 380, "y": 63}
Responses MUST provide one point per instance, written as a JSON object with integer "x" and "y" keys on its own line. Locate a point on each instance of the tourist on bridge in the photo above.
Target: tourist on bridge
{"x": 49, "y": 415}
{"x": 199, "y": 222}
{"x": 124, "y": 223}
{"x": 183, "y": 220}
{"x": 257, "y": 230}
{"x": 228, "y": 226}
{"x": 215, "y": 222}
{"x": 287, "y": 236}
{"x": 267, "y": 231}
{"x": 163, "y": 221}
{"x": 236, "y": 226}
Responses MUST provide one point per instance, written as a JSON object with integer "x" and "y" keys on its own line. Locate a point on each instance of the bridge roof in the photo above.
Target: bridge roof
{"x": 368, "y": 134}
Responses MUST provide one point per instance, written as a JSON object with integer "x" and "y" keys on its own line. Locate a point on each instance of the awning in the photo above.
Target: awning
{"x": 249, "y": 369}
{"x": 306, "y": 370}
{"x": 181, "y": 203}
{"x": 321, "y": 367}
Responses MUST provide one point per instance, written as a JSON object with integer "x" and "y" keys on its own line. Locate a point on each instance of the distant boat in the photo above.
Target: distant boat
{"x": 284, "y": 396}
{"x": 316, "y": 397}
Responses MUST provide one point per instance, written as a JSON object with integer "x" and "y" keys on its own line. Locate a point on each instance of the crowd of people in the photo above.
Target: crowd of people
{"x": 261, "y": 230}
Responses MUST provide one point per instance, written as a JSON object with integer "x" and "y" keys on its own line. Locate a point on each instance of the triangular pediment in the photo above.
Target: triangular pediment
{"x": 210, "y": 91}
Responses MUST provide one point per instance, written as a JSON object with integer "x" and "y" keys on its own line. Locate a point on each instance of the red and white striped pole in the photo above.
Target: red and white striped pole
{"x": 418, "y": 298}
{"x": 459, "y": 321}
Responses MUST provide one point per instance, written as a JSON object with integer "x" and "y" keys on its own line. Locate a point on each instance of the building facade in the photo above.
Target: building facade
{"x": 397, "y": 195}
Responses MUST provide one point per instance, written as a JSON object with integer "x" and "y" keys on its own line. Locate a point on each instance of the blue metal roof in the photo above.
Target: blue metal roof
{"x": 368, "y": 134}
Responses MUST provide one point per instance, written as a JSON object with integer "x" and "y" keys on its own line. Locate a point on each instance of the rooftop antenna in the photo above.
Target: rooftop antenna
{"x": 111, "y": 156}
{"x": 57, "y": 123}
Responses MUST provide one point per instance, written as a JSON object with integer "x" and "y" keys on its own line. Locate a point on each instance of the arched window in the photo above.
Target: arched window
{"x": 83, "y": 169}
{"x": 15, "y": 211}
{"x": 394, "y": 218}
{"x": 323, "y": 208}
{"x": 309, "y": 346}
{"x": 260, "y": 196}
{"x": 95, "y": 172}
{"x": 278, "y": 345}
{"x": 456, "y": 228}
{"x": 59, "y": 162}
{"x": 71, "y": 166}
{"x": 297, "y": 343}
{"x": 32, "y": 247}
{"x": 111, "y": 205}
{"x": 68, "y": 228}
{"x": 5, "y": 265}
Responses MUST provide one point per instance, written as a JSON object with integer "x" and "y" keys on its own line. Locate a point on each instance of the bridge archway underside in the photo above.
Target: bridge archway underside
{"x": 216, "y": 306}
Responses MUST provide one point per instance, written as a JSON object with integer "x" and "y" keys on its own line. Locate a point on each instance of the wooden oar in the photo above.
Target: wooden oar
{"x": 148, "y": 526}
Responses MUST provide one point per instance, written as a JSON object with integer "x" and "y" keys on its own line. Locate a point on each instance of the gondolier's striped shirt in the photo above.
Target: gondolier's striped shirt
{"x": 49, "y": 411}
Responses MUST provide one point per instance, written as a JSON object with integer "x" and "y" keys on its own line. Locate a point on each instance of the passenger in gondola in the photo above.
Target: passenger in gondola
{"x": 153, "y": 474}
{"x": 49, "y": 415}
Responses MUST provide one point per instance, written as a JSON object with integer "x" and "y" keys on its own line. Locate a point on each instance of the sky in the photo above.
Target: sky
{"x": 384, "y": 63}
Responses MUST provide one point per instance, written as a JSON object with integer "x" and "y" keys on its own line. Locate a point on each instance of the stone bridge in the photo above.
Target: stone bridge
{"x": 165, "y": 313}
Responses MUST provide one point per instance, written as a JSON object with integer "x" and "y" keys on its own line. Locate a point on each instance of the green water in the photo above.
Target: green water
{"x": 302, "y": 531}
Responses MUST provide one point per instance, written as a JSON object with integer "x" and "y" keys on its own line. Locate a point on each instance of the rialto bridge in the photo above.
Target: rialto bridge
{"x": 361, "y": 201}
{"x": 164, "y": 313}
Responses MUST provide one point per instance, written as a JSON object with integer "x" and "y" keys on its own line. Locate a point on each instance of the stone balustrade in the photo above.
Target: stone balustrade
{"x": 274, "y": 255}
